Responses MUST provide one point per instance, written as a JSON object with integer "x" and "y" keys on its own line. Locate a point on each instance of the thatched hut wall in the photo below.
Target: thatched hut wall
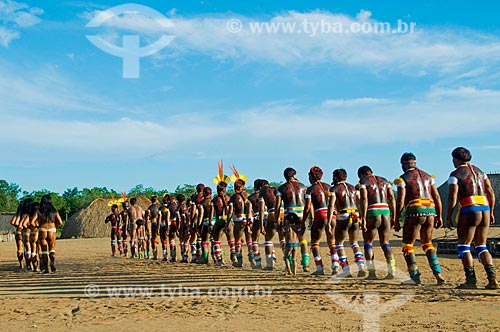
{"x": 89, "y": 222}
{"x": 7, "y": 231}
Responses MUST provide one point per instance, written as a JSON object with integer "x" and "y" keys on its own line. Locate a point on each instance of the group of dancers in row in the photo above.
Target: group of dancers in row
{"x": 341, "y": 210}
{"x": 36, "y": 226}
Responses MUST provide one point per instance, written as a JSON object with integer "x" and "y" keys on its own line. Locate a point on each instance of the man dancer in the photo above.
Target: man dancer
{"x": 239, "y": 208}
{"x": 135, "y": 213}
{"x": 292, "y": 193}
{"x": 343, "y": 201}
{"x": 267, "y": 201}
{"x": 317, "y": 199}
{"x": 124, "y": 218}
{"x": 377, "y": 209}
{"x": 183, "y": 226}
{"x": 472, "y": 189}
{"x": 152, "y": 216}
{"x": 164, "y": 218}
{"x": 417, "y": 193}
{"x": 195, "y": 238}
{"x": 219, "y": 210}
{"x": 114, "y": 219}
{"x": 257, "y": 225}
{"x": 205, "y": 219}
{"x": 173, "y": 229}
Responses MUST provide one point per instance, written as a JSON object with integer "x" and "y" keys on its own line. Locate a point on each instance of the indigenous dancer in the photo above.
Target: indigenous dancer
{"x": 173, "y": 229}
{"x": 194, "y": 230}
{"x": 417, "y": 193}
{"x": 152, "y": 218}
{"x": 377, "y": 209}
{"x": 17, "y": 221}
{"x": 239, "y": 208}
{"x": 257, "y": 225}
{"x": 271, "y": 225}
{"x": 114, "y": 219}
{"x": 343, "y": 201}
{"x": 183, "y": 226}
{"x": 135, "y": 213}
{"x": 219, "y": 211}
{"x": 124, "y": 219}
{"x": 317, "y": 199}
{"x": 34, "y": 244}
{"x": 25, "y": 223}
{"x": 476, "y": 200}
{"x": 204, "y": 219}
{"x": 292, "y": 193}
{"x": 49, "y": 219}
{"x": 164, "y": 218}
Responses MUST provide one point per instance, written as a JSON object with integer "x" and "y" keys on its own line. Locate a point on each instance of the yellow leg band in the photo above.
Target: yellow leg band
{"x": 20, "y": 251}
{"x": 303, "y": 242}
{"x": 407, "y": 249}
{"x": 427, "y": 246}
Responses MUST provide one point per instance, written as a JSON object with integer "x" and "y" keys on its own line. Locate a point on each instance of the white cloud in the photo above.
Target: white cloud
{"x": 356, "y": 102}
{"x": 428, "y": 49}
{"x": 245, "y": 132}
{"x": 15, "y": 16}
{"x": 44, "y": 90}
{"x": 6, "y": 36}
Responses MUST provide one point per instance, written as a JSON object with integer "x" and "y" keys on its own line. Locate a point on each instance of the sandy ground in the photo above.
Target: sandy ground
{"x": 81, "y": 296}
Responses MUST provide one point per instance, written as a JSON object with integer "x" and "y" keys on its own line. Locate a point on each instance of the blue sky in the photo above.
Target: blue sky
{"x": 260, "y": 101}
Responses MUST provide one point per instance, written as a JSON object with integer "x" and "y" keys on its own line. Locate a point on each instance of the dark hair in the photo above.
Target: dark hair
{"x": 114, "y": 206}
{"x": 407, "y": 156}
{"x": 133, "y": 200}
{"x": 315, "y": 174}
{"x": 264, "y": 183}
{"x": 363, "y": 170}
{"x": 181, "y": 198}
{"x": 289, "y": 173}
{"x": 462, "y": 154}
{"x": 207, "y": 191}
{"x": 34, "y": 208}
{"x": 125, "y": 205}
{"x": 199, "y": 187}
{"x": 47, "y": 209}
{"x": 239, "y": 184}
{"x": 165, "y": 198}
{"x": 257, "y": 184}
{"x": 221, "y": 186}
{"x": 24, "y": 206}
{"x": 154, "y": 198}
{"x": 339, "y": 174}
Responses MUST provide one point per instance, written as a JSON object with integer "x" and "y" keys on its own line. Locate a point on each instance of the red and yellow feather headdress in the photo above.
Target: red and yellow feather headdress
{"x": 220, "y": 176}
{"x": 237, "y": 176}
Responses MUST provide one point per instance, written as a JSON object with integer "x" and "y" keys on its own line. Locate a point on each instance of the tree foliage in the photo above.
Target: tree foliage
{"x": 187, "y": 190}
{"x": 9, "y": 193}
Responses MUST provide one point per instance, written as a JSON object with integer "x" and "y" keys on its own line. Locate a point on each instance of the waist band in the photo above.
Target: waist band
{"x": 421, "y": 202}
{"x": 474, "y": 200}
{"x": 294, "y": 209}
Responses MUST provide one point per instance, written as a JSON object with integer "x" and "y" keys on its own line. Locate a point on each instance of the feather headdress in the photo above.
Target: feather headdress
{"x": 220, "y": 176}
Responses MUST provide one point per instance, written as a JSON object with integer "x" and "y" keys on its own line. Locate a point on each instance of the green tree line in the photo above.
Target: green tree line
{"x": 75, "y": 199}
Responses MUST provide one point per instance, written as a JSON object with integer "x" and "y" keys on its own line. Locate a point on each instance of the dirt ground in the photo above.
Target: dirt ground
{"x": 92, "y": 291}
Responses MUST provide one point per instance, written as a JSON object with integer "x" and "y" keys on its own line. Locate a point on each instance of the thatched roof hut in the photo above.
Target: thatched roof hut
{"x": 89, "y": 222}
{"x": 495, "y": 183}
